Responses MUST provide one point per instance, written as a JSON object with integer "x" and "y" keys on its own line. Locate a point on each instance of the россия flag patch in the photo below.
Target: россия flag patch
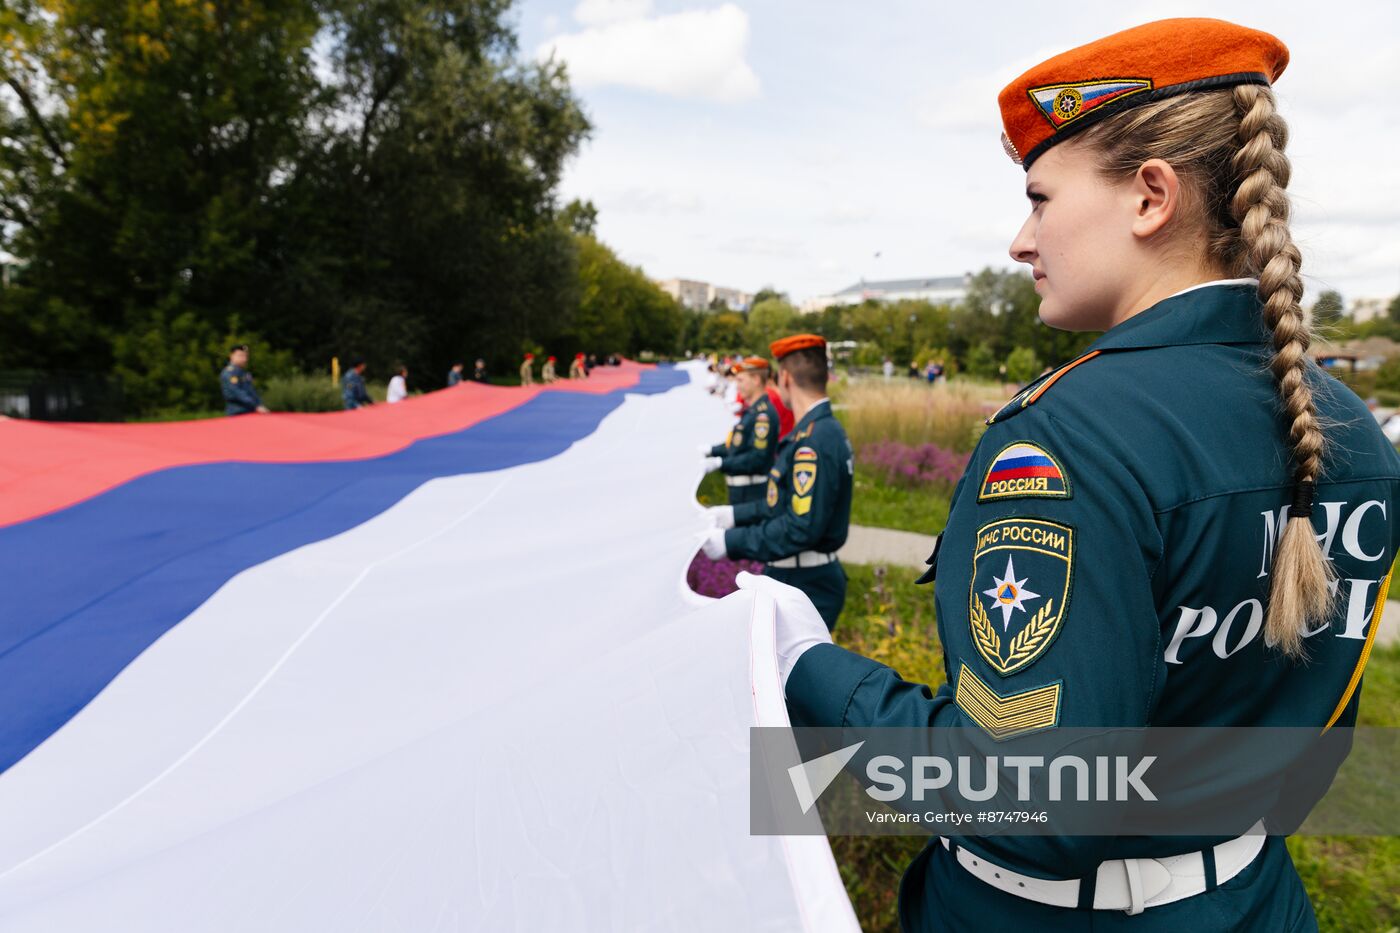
{"x": 1024, "y": 469}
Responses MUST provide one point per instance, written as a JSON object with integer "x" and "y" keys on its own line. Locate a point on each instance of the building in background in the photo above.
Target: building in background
{"x": 948, "y": 289}
{"x": 1368, "y": 309}
{"x": 698, "y": 296}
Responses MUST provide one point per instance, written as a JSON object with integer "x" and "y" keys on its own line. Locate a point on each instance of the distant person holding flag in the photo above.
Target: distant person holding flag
{"x": 236, "y": 383}
{"x": 748, "y": 452}
{"x": 802, "y": 519}
{"x": 352, "y": 386}
{"x": 576, "y": 370}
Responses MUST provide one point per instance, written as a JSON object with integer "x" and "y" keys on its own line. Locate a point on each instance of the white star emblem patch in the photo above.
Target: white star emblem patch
{"x": 1009, "y": 594}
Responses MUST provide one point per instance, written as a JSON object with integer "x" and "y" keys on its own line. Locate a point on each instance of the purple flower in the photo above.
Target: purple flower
{"x": 716, "y": 577}
{"x": 906, "y": 465}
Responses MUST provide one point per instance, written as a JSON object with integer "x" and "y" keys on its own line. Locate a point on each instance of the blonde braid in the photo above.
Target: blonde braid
{"x": 1300, "y": 594}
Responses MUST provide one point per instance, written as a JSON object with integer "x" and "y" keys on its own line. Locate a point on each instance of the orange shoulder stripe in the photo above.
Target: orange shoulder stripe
{"x": 1051, "y": 381}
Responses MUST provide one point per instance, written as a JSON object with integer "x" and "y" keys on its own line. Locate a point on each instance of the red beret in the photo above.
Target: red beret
{"x": 529, "y": 356}
{"x": 1059, "y": 97}
{"x": 783, "y": 347}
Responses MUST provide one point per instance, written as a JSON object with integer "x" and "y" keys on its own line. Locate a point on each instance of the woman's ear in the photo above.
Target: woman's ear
{"x": 1157, "y": 195}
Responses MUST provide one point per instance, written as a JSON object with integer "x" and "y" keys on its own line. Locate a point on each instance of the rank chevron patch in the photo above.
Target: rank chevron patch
{"x": 1024, "y": 469}
{"x": 1003, "y": 717}
{"x": 1062, "y": 104}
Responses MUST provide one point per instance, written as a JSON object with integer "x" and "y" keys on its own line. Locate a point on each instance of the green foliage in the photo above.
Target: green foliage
{"x": 769, "y": 320}
{"x": 982, "y": 362}
{"x": 712, "y": 490}
{"x": 722, "y": 331}
{"x": 171, "y": 361}
{"x": 172, "y": 165}
{"x": 299, "y": 392}
{"x": 1327, "y": 309}
{"x": 1022, "y": 365}
{"x": 620, "y": 309}
{"x": 1392, "y": 310}
{"x": 1388, "y": 375}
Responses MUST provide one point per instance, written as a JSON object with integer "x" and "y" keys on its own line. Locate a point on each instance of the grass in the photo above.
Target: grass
{"x": 1354, "y": 881}
{"x": 881, "y": 505}
{"x": 949, "y": 414}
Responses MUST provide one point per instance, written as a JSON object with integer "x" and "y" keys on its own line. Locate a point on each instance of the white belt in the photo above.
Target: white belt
{"x": 805, "y": 559}
{"x": 753, "y": 480}
{"x": 1130, "y": 884}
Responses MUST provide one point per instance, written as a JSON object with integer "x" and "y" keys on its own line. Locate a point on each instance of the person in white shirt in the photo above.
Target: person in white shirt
{"x": 398, "y": 385}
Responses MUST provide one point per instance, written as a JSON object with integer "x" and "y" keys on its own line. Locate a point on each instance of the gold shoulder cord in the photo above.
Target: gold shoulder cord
{"x": 1365, "y": 651}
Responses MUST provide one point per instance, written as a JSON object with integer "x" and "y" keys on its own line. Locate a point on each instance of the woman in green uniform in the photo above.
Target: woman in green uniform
{"x": 1188, "y": 525}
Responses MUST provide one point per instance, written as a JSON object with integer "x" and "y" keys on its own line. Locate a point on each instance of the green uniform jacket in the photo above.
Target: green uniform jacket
{"x": 1107, "y": 553}
{"x": 807, "y": 505}
{"x": 754, "y": 442}
{"x": 240, "y": 398}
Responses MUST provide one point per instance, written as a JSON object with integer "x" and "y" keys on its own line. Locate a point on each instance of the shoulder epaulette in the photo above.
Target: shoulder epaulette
{"x": 1036, "y": 388}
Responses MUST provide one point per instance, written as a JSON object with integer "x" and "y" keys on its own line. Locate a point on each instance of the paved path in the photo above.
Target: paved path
{"x": 865, "y": 545}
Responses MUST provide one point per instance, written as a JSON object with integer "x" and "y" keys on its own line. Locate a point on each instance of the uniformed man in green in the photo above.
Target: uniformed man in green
{"x": 240, "y": 397}
{"x": 747, "y": 454}
{"x": 801, "y": 522}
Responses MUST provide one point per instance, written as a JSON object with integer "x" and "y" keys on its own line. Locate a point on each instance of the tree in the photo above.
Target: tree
{"x": 1022, "y": 365}
{"x": 723, "y": 332}
{"x": 580, "y": 217}
{"x": 982, "y": 361}
{"x": 620, "y": 309}
{"x": 1393, "y": 309}
{"x": 767, "y": 293}
{"x": 1327, "y": 309}
{"x": 770, "y": 319}
{"x": 169, "y": 166}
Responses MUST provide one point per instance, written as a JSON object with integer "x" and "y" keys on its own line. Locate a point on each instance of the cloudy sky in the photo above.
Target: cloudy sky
{"x": 787, "y": 142}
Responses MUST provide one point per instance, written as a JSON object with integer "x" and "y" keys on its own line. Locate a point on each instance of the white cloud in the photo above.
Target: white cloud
{"x": 602, "y": 12}
{"x": 695, "y": 54}
{"x": 649, "y": 200}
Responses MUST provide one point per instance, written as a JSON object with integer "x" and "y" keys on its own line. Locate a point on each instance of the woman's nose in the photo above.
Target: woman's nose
{"x": 1023, "y": 246}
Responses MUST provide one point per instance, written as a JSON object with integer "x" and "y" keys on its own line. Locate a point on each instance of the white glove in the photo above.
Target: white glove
{"x": 798, "y": 624}
{"x": 722, "y": 516}
{"x": 714, "y": 545}
{"x": 712, "y": 464}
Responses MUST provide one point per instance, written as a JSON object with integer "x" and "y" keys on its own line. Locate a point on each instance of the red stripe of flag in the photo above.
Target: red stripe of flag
{"x": 1021, "y": 472}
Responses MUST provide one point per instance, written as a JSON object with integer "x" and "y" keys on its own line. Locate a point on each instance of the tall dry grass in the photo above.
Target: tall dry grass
{"x": 950, "y": 414}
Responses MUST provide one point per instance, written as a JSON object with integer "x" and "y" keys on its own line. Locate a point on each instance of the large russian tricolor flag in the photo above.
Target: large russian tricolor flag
{"x": 430, "y": 666}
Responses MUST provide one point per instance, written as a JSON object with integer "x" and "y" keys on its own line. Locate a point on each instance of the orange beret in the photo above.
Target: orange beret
{"x": 783, "y": 347}
{"x": 752, "y": 363}
{"x": 1059, "y": 97}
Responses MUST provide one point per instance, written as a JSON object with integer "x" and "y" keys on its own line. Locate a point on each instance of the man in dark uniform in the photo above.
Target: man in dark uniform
{"x": 479, "y": 371}
{"x": 748, "y": 452}
{"x": 352, "y": 386}
{"x": 240, "y": 397}
{"x": 801, "y": 522}
{"x": 454, "y": 375}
